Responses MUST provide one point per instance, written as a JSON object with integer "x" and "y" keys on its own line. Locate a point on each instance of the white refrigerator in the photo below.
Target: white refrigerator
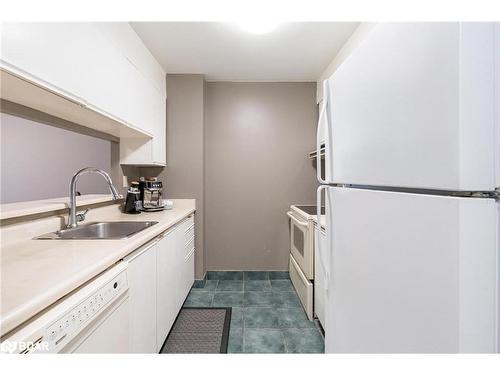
{"x": 411, "y": 127}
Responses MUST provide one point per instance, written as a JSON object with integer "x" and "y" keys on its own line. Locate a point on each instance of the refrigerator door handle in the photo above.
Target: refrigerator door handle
{"x": 322, "y": 251}
{"x": 322, "y": 122}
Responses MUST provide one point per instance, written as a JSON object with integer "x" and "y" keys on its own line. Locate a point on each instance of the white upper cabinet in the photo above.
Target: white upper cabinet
{"x": 104, "y": 67}
{"x": 146, "y": 87}
{"x": 43, "y": 53}
{"x": 414, "y": 106}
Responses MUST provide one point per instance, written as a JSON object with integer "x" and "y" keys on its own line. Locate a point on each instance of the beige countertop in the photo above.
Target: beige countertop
{"x": 17, "y": 209}
{"x": 36, "y": 273}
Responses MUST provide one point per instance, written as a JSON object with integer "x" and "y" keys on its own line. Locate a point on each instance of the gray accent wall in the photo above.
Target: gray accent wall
{"x": 183, "y": 177}
{"x": 239, "y": 148}
{"x": 257, "y": 137}
{"x": 38, "y": 160}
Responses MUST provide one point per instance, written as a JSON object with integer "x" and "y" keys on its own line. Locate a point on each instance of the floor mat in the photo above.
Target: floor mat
{"x": 199, "y": 330}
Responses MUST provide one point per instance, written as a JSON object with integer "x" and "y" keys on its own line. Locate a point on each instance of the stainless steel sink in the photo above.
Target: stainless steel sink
{"x": 113, "y": 230}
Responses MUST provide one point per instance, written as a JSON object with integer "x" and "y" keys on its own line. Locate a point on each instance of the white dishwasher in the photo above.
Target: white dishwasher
{"x": 93, "y": 319}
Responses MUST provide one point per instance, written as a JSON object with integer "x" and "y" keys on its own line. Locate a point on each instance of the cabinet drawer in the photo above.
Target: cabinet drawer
{"x": 189, "y": 234}
{"x": 188, "y": 275}
{"x": 189, "y": 248}
{"x": 303, "y": 287}
{"x": 189, "y": 252}
{"x": 189, "y": 224}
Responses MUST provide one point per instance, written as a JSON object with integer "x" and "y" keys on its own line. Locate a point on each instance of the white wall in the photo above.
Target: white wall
{"x": 355, "y": 40}
{"x": 38, "y": 160}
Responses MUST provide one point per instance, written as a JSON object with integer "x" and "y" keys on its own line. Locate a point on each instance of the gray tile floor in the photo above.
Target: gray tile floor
{"x": 267, "y": 316}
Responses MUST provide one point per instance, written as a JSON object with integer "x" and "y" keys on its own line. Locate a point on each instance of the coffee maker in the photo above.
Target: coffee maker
{"x": 151, "y": 193}
{"x": 133, "y": 203}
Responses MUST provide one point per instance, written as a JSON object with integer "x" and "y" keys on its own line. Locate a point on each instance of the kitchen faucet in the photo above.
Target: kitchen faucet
{"x": 73, "y": 217}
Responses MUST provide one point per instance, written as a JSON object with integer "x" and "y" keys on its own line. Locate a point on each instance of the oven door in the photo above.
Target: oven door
{"x": 301, "y": 243}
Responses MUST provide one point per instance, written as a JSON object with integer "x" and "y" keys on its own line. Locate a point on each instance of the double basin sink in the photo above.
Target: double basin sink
{"x": 112, "y": 230}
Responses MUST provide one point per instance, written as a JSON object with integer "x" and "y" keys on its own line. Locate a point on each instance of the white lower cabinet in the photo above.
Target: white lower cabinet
{"x": 175, "y": 278}
{"x": 167, "y": 291}
{"x": 161, "y": 275}
{"x": 187, "y": 276}
{"x": 142, "y": 297}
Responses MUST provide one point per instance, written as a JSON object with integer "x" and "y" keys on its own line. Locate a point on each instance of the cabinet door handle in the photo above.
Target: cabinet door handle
{"x": 168, "y": 231}
{"x": 141, "y": 250}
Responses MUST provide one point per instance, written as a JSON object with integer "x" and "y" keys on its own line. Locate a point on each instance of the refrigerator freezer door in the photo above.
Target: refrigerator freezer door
{"x": 411, "y": 273}
{"x": 414, "y": 106}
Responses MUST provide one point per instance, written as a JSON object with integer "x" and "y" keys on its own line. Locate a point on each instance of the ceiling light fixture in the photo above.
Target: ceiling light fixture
{"x": 258, "y": 27}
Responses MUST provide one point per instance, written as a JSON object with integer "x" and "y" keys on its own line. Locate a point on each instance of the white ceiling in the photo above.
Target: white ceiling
{"x": 298, "y": 51}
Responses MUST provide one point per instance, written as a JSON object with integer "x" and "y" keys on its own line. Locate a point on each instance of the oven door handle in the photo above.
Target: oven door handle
{"x": 294, "y": 218}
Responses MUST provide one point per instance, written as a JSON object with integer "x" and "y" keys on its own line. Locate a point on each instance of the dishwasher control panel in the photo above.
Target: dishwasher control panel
{"x": 60, "y": 332}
